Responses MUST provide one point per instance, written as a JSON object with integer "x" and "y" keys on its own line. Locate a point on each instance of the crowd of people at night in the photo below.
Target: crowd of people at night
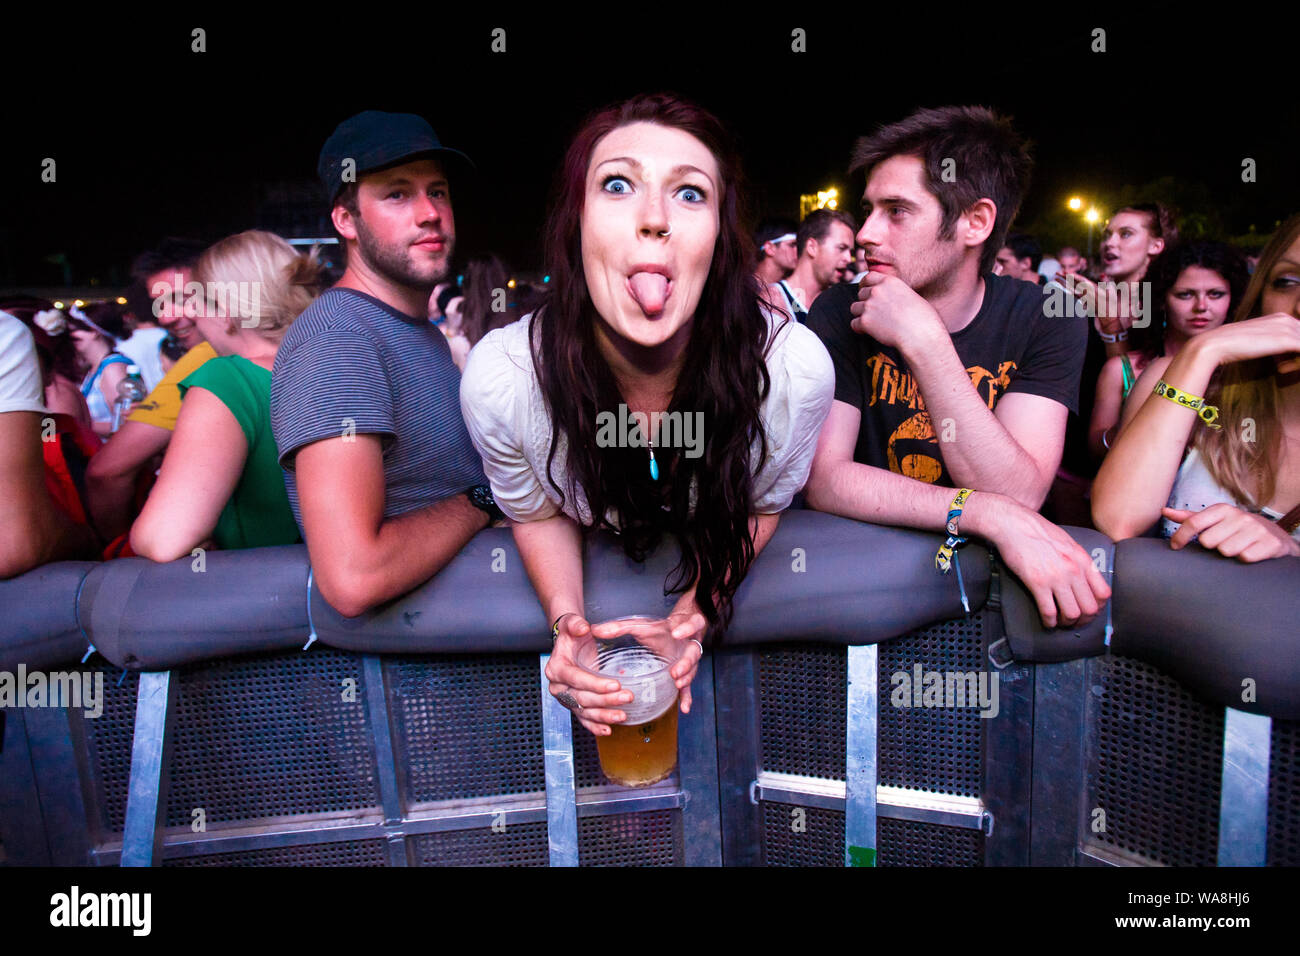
{"x": 924, "y": 363}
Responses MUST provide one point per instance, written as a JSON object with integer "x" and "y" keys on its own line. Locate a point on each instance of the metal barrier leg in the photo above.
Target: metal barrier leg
{"x": 385, "y": 759}
{"x": 146, "y": 802}
{"x": 561, "y": 792}
{"x": 20, "y": 806}
{"x": 735, "y": 672}
{"x": 860, "y": 744}
{"x": 1243, "y": 799}
{"x": 698, "y": 770}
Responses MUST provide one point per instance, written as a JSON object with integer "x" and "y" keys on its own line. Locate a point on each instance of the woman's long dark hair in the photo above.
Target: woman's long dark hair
{"x": 485, "y": 279}
{"x": 724, "y": 377}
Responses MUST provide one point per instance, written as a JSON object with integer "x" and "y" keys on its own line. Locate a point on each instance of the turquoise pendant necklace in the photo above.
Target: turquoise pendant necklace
{"x": 654, "y": 465}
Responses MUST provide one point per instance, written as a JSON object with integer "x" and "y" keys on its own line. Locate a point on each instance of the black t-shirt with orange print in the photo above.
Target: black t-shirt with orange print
{"x": 1015, "y": 343}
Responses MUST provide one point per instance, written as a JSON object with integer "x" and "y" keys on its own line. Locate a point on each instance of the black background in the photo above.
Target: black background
{"x": 152, "y": 139}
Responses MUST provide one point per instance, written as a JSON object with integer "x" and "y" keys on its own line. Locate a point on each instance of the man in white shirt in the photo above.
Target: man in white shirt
{"x": 825, "y": 241}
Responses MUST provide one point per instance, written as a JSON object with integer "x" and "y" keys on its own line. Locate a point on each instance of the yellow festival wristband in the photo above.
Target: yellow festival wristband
{"x": 946, "y": 557}
{"x": 1207, "y": 413}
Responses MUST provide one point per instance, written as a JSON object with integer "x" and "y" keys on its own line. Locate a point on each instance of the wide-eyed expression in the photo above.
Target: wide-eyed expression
{"x": 649, "y": 227}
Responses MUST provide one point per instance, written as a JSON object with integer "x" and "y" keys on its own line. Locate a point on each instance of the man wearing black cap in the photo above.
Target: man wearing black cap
{"x": 381, "y": 474}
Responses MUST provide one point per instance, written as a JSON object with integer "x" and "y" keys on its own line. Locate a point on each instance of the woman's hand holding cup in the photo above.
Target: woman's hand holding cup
{"x": 598, "y": 697}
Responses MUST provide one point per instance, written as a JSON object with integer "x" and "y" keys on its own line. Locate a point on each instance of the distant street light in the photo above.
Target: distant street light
{"x": 822, "y": 199}
{"x": 1075, "y": 204}
{"x": 1091, "y": 216}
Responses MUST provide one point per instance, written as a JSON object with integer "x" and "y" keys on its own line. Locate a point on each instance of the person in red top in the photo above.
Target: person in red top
{"x": 34, "y": 529}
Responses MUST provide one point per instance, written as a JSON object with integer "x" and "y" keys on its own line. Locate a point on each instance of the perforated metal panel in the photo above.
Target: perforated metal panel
{"x": 1284, "y": 795}
{"x": 934, "y": 749}
{"x": 471, "y": 725}
{"x": 586, "y": 761}
{"x": 802, "y": 697}
{"x": 908, "y": 843}
{"x": 1155, "y": 765}
{"x": 255, "y": 737}
{"x": 815, "y": 838}
{"x": 519, "y": 844}
{"x": 802, "y": 711}
{"x": 652, "y": 838}
{"x": 108, "y": 738}
{"x": 350, "y": 853}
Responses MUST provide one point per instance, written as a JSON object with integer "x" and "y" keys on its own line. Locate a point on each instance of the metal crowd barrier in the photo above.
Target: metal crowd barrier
{"x": 244, "y": 722}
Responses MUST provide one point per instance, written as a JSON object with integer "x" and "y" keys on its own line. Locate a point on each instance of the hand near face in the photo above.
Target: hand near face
{"x": 1233, "y": 532}
{"x": 1276, "y": 334}
{"x": 890, "y": 311}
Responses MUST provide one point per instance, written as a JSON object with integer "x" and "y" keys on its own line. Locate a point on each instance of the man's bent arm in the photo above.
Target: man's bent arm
{"x": 1058, "y": 573}
{"x": 840, "y": 485}
{"x": 112, "y": 472}
{"x": 360, "y": 558}
{"x": 1015, "y": 452}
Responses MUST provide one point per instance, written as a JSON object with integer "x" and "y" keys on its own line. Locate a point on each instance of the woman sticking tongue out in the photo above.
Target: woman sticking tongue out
{"x": 650, "y": 289}
{"x": 649, "y": 226}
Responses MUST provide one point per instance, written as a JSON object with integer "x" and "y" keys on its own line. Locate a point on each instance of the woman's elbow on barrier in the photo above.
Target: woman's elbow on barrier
{"x": 156, "y": 545}
{"x": 1118, "y": 525}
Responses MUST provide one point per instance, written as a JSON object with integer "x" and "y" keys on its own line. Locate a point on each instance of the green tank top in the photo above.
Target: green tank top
{"x": 257, "y": 514}
{"x": 1129, "y": 378}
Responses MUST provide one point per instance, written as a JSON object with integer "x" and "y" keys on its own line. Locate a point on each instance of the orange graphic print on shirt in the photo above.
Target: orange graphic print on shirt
{"x": 912, "y": 449}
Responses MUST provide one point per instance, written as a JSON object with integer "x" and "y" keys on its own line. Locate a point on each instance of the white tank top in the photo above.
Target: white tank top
{"x": 1195, "y": 490}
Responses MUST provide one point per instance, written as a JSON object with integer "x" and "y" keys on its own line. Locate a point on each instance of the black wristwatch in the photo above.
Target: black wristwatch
{"x": 480, "y": 496}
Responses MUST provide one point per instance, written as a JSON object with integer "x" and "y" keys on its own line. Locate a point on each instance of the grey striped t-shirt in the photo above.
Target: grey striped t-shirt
{"x": 352, "y": 365}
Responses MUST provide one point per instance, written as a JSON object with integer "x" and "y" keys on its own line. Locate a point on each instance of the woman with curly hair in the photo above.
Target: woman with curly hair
{"x": 1194, "y": 288}
{"x": 1211, "y": 439}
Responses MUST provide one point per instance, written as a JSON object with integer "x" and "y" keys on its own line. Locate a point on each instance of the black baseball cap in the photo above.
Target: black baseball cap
{"x": 375, "y": 140}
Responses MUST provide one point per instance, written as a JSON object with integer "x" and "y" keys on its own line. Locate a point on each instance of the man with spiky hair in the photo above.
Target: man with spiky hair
{"x": 947, "y": 376}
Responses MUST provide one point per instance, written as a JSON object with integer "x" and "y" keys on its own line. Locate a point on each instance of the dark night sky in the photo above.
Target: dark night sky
{"x": 152, "y": 139}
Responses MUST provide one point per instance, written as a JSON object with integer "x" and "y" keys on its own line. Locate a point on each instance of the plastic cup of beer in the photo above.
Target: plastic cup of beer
{"x": 643, "y": 749}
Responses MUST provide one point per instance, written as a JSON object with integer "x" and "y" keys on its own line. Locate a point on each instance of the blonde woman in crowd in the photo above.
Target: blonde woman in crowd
{"x": 221, "y": 481}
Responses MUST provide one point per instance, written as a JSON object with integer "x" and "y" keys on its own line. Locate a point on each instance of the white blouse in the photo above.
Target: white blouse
{"x": 1195, "y": 490}
{"x": 508, "y": 422}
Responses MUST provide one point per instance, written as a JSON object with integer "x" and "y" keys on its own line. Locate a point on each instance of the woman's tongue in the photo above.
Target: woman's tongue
{"x": 650, "y": 290}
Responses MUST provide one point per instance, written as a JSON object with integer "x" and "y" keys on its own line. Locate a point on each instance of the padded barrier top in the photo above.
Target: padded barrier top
{"x": 1212, "y": 622}
{"x": 820, "y": 578}
{"x": 1208, "y": 621}
{"x": 147, "y": 616}
{"x": 38, "y": 616}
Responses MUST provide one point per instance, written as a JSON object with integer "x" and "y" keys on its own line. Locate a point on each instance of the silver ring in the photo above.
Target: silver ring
{"x": 665, "y": 233}
{"x": 699, "y": 645}
{"x": 568, "y": 700}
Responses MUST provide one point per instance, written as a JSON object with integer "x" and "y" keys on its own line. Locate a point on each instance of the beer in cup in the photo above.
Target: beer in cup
{"x": 643, "y": 749}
